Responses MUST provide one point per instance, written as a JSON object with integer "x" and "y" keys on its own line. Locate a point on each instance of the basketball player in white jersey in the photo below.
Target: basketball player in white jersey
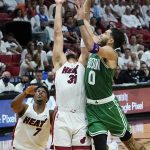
{"x": 33, "y": 126}
{"x": 70, "y": 124}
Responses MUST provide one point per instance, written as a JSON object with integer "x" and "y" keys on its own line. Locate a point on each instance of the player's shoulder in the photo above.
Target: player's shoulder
{"x": 107, "y": 48}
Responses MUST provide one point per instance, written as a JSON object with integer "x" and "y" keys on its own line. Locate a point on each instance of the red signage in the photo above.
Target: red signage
{"x": 134, "y": 100}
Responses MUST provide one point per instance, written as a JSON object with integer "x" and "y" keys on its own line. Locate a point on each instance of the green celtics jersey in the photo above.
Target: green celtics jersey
{"x": 98, "y": 78}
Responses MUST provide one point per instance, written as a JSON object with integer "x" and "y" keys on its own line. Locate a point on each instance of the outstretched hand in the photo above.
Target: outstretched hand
{"x": 79, "y": 9}
{"x": 59, "y": 1}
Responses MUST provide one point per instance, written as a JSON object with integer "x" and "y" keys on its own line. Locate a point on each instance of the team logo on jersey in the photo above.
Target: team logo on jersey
{"x": 82, "y": 141}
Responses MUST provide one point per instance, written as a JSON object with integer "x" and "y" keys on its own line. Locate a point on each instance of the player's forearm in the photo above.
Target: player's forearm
{"x": 18, "y": 100}
{"x": 58, "y": 19}
{"x": 87, "y": 38}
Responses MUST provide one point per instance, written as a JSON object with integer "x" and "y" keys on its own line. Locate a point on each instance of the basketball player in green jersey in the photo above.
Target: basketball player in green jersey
{"x": 103, "y": 110}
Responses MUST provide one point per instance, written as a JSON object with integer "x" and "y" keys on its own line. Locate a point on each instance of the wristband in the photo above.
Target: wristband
{"x": 80, "y": 22}
{"x": 95, "y": 49}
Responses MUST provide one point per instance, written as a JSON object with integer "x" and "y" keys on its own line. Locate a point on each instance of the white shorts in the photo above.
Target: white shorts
{"x": 70, "y": 129}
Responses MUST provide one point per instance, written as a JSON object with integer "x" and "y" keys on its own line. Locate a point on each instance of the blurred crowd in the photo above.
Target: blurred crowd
{"x": 35, "y": 66}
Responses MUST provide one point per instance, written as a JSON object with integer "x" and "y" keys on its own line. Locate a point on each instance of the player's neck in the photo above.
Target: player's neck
{"x": 38, "y": 108}
{"x": 72, "y": 60}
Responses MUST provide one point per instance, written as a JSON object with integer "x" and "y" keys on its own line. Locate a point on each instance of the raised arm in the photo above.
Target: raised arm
{"x": 17, "y": 103}
{"x": 59, "y": 57}
{"x": 87, "y": 33}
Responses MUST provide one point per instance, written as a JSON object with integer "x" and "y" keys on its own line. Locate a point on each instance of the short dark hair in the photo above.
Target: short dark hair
{"x": 118, "y": 36}
{"x": 71, "y": 55}
{"x": 45, "y": 88}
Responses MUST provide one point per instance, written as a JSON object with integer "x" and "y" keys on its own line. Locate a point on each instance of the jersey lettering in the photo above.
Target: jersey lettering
{"x": 70, "y": 70}
{"x": 94, "y": 64}
{"x": 38, "y": 130}
{"x": 72, "y": 79}
{"x": 91, "y": 77}
{"x": 34, "y": 122}
{"x": 73, "y": 74}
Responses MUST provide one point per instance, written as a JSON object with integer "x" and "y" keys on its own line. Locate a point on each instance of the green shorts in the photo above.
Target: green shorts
{"x": 106, "y": 117}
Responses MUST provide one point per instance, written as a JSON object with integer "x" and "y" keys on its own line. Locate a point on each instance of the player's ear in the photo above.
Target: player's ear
{"x": 111, "y": 41}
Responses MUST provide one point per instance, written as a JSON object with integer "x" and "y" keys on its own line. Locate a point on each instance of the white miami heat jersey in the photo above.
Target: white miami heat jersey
{"x": 69, "y": 84}
{"x": 32, "y": 130}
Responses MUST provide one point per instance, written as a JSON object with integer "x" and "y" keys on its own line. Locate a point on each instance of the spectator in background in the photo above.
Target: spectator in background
{"x": 18, "y": 15}
{"x": 135, "y": 60}
{"x": 29, "y": 50}
{"x": 97, "y": 11}
{"x": 41, "y": 33}
{"x": 50, "y": 80}
{"x": 3, "y": 46}
{"x": 23, "y": 84}
{"x": 31, "y": 6}
{"x": 51, "y": 12}
{"x": 10, "y": 5}
{"x": 141, "y": 48}
{"x": 144, "y": 73}
{"x": 147, "y": 19}
{"x": 2, "y": 68}
{"x": 41, "y": 17}
{"x": 42, "y": 54}
{"x": 27, "y": 65}
{"x": 140, "y": 53}
{"x": 146, "y": 57}
{"x": 29, "y": 18}
{"x": 72, "y": 37}
{"x": 50, "y": 53}
{"x": 38, "y": 78}
{"x": 2, "y": 8}
{"x": 108, "y": 16}
{"x": 130, "y": 75}
{"x": 139, "y": 38}
{"x": 5, "y": 85}
{"x": 40, "y": 4}
{"x": 37, "y": 62}
{"x": 133, "y": 43}
{"x": 12, "y": 45}
{"x": 117, "y": 79}
{"x": 139, "y": 19}
{"x": 93, "y": 23}
{"x": 120, "y": 8}
{"x": 145, "y": 7}
{"x": 125, "y": 58}
{"x": 137, "y": 7}
{"x": 120, "y": 58}
{"x": 128, "y": 20}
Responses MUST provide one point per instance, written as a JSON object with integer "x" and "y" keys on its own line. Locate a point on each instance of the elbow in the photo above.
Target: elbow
{"x": 90, "y": 48}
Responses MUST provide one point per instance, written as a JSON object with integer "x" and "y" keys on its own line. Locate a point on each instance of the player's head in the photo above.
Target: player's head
{"x": 41, "y": 95}
{"x": 118, "y": 36}
{"x": 112, "y": 37}
{"x": 71, "y": 55}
